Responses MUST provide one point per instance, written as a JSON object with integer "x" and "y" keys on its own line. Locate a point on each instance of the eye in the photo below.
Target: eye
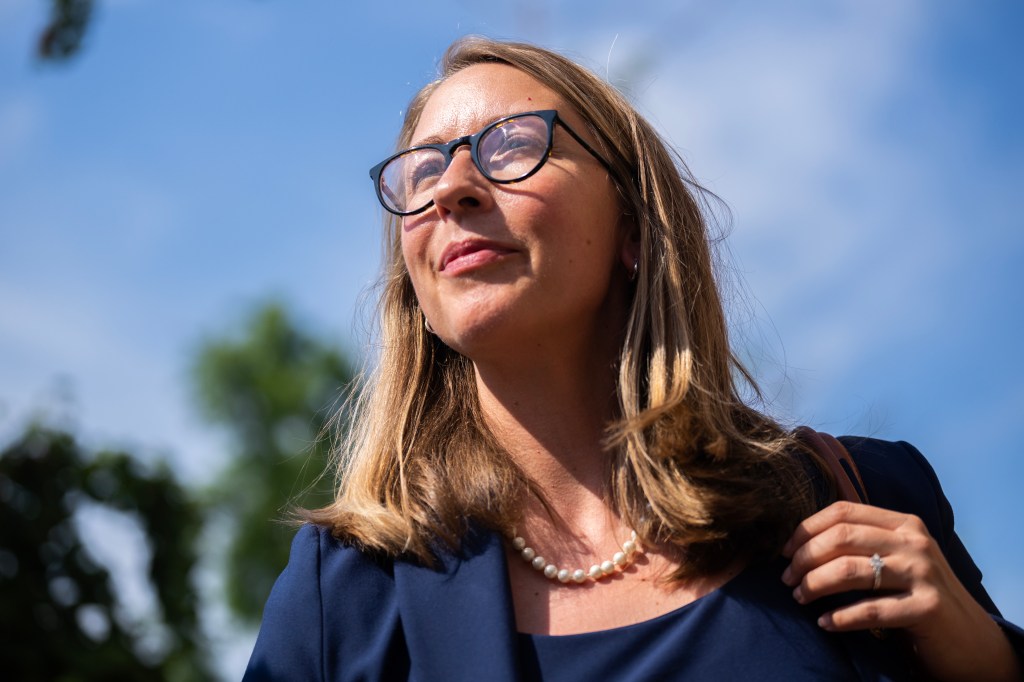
{"x": 514, "y": 148}
{"x": 423, "y": 168}
{"x": 410, "y": 178}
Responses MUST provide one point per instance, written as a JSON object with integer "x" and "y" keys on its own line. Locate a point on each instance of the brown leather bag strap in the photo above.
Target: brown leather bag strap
{"x": 849, "y": 484}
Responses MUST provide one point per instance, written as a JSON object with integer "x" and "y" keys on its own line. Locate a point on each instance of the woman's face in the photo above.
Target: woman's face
{"x": 528, "y": 267}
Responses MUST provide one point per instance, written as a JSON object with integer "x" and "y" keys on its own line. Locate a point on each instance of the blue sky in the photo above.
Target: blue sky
{"x": 200, "y": 157}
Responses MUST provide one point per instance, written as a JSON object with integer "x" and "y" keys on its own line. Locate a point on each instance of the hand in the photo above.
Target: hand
{"x": 952, "y": 634}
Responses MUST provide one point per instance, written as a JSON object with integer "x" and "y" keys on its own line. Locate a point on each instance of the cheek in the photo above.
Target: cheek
{"x": 581, "y": 230}
{"x": 414, "y": 255}
{"x": 414, "y": 250}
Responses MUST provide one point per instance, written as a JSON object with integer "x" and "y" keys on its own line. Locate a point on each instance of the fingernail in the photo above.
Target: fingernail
{"x": 798, "y": 595}
{"x": 787, "y": 576}
{"x": 825, "y": 622}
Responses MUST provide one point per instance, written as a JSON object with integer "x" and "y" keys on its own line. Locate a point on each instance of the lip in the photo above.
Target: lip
{"x": 470, "y": 254}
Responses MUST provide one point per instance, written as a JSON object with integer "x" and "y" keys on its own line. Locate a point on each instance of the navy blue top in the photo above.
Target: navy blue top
{"x": 750, "y": 628}
{"x": 340, "y": 613}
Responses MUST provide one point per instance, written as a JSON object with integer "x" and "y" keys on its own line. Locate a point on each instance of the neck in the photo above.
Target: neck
{"x": 550, "y": 415}
{"x": 548, "y": 394}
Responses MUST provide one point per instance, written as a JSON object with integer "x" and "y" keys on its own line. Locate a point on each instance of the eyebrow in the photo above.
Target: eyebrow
{"x": 433, "y": 139}
{"x": 436, "y": 139}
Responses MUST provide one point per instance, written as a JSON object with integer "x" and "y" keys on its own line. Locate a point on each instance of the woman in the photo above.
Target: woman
{"x": 552, "y": 473}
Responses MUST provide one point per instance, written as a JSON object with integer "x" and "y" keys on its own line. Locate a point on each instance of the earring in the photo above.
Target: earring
{"x": 426, "y": 324}
{"x": 635, "y": 271}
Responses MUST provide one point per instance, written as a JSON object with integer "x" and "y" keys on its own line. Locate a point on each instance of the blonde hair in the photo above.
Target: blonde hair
{"x": 693, "y": 466}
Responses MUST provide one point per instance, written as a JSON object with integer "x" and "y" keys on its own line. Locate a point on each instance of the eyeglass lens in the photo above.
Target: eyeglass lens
{"x": 505, "y": 152}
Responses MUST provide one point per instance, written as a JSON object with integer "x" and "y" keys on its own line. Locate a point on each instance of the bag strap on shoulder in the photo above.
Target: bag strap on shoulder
{"x": 834, "y": 454}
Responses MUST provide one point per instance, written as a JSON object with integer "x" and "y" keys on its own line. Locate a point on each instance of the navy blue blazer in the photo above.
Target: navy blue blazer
{"x": 337, "y": 613}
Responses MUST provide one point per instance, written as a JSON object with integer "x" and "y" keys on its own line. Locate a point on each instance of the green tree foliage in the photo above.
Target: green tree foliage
{"x": 272, "y": 387}
{"x": 58, "y": 617}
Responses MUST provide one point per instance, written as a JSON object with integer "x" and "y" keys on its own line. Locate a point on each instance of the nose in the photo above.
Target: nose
{"x": 462, "y": 187}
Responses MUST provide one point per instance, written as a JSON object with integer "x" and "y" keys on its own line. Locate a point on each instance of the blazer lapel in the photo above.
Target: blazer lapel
{"x": 457, "y": 618}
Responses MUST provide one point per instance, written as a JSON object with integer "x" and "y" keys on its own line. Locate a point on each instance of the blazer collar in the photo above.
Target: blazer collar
{"x": 457, "y": 618}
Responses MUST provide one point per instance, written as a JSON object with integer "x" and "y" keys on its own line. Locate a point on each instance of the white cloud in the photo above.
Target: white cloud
{"x": 127, "y": 390}
{"x": 778, "y": 112}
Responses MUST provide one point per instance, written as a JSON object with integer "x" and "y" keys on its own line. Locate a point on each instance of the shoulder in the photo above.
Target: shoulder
{"x": 319, "y": 559}
{"x": 897, "y": 476}
{"x": 331, "y": 603}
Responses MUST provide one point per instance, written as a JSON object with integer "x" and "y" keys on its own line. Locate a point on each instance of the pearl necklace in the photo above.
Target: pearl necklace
{"x": 620, "y": 560}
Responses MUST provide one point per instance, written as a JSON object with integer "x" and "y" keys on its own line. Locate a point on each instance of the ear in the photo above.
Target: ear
{"x": 629, "y": 251}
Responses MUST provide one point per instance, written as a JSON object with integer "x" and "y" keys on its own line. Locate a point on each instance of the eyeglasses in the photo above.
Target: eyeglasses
{"x": 508, "y": 150}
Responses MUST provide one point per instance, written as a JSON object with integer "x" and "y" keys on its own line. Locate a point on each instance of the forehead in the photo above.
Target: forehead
{"x": 477, "y": 95}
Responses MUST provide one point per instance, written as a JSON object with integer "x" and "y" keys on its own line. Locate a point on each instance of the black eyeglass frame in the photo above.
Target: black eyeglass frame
{"x": 447, "y": 149}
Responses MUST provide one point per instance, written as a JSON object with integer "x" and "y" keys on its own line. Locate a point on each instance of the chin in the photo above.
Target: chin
{"x": 480, "y": 336}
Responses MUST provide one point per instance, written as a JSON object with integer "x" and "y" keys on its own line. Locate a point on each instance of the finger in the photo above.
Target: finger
{"x": 851, "y": 573}
{"x": 837, "y": 541}
{"x": 842, "y": 512}
{"x": 900, "y": 610}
